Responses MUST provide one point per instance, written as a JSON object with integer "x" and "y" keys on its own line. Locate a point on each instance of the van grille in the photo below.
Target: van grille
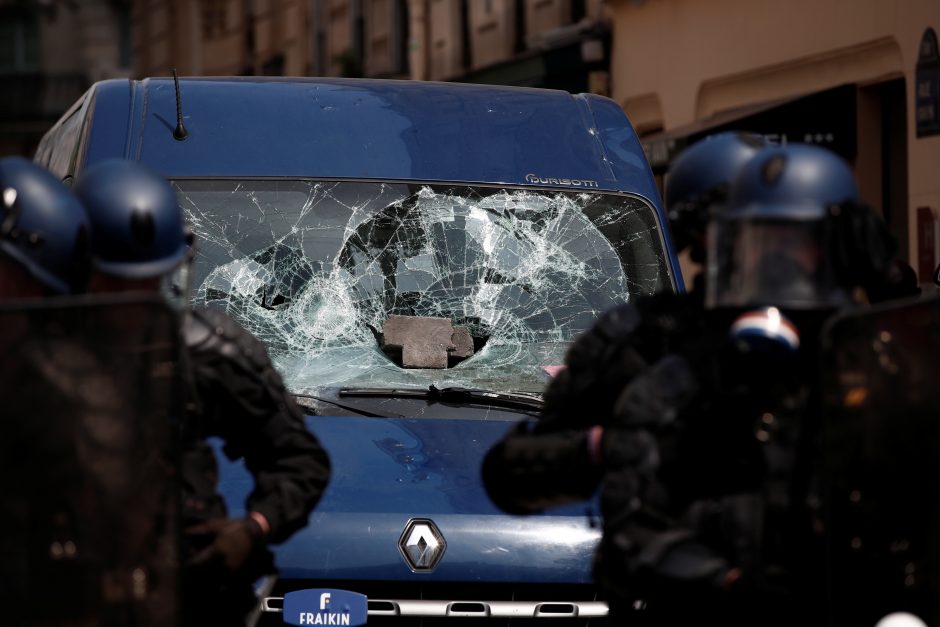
{"x": 430, "y": 604}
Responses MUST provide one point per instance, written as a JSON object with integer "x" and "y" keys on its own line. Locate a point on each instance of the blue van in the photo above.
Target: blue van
{"x": 487, "y": 225}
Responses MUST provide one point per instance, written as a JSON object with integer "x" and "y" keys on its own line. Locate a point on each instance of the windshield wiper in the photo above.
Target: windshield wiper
{"x": 300, "y": 398}
{"x": 468, "y": 396}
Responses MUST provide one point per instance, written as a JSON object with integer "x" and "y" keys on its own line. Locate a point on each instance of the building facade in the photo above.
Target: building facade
{"x": 545, "y": 43}
{"x": 562, "y": 44}
{"x": 221, "y": 37}
{"x": 860, "y": 77}
{"x": 50, "y": 53}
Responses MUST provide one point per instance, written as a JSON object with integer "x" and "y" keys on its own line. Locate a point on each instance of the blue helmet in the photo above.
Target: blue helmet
{"x": 699, "y": 179}
{"x": 43, "y": 226}
{"x": 777, "y": 243}
{"x": 138, "y": 225}
{"x": 792, "y": 180}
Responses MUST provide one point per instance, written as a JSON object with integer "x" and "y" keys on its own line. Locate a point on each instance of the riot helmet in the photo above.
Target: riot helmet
{"x": 781, "y": 242}
{"x": 698, "y": 182}
{"x": 137, "y": 222}
{"x": 43, "y": 226}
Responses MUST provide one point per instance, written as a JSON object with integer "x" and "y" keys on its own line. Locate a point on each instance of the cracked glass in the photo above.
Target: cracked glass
{"x": 315, "y": 268}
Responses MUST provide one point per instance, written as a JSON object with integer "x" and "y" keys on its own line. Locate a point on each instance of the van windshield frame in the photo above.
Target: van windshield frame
{"x": 314, "y": 268}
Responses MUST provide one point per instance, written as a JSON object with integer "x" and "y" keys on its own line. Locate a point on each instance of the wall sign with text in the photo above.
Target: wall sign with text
{"x": 927, "y": 86}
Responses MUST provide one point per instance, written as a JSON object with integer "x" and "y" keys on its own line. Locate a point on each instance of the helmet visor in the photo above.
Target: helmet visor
{"x": 770, "y": 262}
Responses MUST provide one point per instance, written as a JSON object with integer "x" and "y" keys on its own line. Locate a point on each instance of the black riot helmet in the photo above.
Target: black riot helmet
{"x": 137, "y": 222}
{"x": 43, "y": 226}
{"x": 698, "y": 182}
{"x": 794, "y": 234}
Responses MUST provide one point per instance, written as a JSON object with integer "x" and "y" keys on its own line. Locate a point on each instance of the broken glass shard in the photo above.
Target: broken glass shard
{"x": 315, "y": 269}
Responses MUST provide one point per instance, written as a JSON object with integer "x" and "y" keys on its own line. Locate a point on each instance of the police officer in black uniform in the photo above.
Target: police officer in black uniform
{"x": 43, "y": 253}
{"x": 683, "y": 406}
{"x": 233, "y": 392}
{"x": 550, "y": 462}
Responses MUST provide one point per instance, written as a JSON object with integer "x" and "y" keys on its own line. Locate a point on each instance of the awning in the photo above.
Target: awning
{"x": 826, "y": 118}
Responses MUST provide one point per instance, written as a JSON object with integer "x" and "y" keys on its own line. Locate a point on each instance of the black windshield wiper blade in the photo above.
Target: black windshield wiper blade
{"x": 509, "y": 400}
{"x": 357, "y": 410}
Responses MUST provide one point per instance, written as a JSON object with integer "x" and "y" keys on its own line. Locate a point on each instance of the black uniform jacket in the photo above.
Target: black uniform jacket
{"x": 236, "y": 394}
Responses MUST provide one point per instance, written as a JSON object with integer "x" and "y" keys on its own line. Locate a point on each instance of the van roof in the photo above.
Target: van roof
{"x": 372, "y": 129}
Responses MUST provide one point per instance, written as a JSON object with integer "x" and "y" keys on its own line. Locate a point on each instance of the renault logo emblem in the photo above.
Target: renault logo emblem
{"x": 421, "y": 544}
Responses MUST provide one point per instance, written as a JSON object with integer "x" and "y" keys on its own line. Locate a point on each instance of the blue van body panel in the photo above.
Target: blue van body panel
{"x": 377, "y": 130}
{"x": 386, "y": 471}
{"x": 398, "y": 130}
{"x": 106, "y": 137}
{"x": 374, "y": 129}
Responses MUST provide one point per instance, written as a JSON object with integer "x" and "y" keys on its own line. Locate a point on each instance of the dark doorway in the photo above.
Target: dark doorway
{"x": 894, "y": 199}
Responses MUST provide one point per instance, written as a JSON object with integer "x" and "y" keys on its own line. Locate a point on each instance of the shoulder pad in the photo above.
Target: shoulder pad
{"x": 196, "y": 329}
{"x": 210, "y": 330}
{"x": 657, "y": 395}
{"x": 672, "y": 313}
{"x": 619, "y": 322}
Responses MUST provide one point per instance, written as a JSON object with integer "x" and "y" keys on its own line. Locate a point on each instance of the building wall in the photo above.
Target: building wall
{"x": 84, "y": 38}
{"x": 166, "y": 35}
{"x": 492, "y": 31}
{"x": 678, "y": 61}
{"x": 380, "y": 51}
{"x": 69, "y": 46}
{"x": 560, "y": 44}
{"x": 385, "y": 37}
{"x": 99, "y": 49}
{"x": 421, "y": 39}
{"x": 339, "y": 31}
{"x": 211, "y": 39}
{"x": 221, "y": 37}
{"x": 544, "y": 16}
{"x": 446, "y": 40}
{"x": 281, "y": 42}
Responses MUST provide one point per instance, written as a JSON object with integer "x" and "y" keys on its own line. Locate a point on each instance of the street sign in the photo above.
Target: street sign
{"x": 927, "y": 86}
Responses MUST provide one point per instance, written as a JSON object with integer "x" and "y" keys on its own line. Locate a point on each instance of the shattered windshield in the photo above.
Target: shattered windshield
{"x": 318, "y": 270}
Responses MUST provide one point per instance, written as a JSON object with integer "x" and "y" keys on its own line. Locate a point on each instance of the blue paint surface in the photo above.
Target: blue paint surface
{"x": 374, "y": 129}
{"x": 386, "y": 471}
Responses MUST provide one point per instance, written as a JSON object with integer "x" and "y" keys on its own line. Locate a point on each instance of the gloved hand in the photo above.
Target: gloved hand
{"x": 233, "y": 541}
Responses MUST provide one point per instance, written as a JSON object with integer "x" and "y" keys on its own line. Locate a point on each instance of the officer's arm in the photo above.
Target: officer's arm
{"x": 556, "y": 460}
{"x": 290, "y": 468}
{"x": 248, "y": 406}
{"x": 529, "y": 472}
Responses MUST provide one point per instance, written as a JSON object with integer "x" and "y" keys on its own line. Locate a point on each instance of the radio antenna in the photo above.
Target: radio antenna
{"x": 179, "y": 133}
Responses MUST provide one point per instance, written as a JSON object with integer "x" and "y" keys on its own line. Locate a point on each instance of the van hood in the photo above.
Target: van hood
{"x": 379, "y": 129}
{"x": 387, "y": 472}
